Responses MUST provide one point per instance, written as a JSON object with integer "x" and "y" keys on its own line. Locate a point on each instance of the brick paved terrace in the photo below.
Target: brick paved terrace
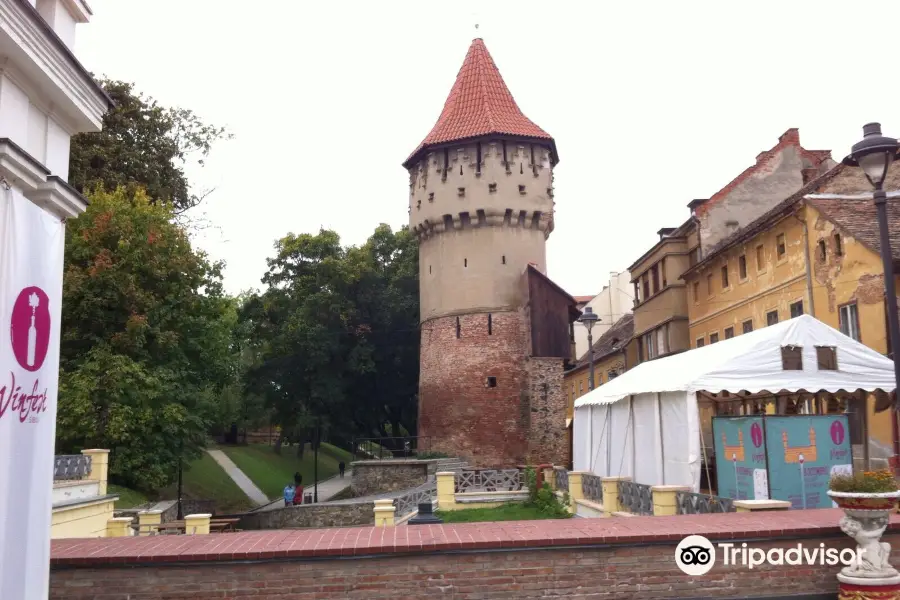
{"x": 576, "y": 558}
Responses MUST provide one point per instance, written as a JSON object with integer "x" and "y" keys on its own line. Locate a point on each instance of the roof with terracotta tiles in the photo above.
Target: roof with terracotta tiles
{"x": 473, "y": 537}
{"x": 857, "y": 219}
{"x": 584, "y": 299}
{"x": 480, "y": 104}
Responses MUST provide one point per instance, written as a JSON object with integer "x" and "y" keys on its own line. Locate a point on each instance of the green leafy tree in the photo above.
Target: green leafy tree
{"x": 147, "y": 339}
{"x": 336, "y": 334}
{"x": 142, "y": 145}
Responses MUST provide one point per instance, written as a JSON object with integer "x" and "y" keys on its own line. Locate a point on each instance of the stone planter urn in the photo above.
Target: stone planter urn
{"x": 866, "y": 516}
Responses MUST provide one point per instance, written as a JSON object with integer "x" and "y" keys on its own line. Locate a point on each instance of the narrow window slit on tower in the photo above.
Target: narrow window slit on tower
{"x": 522, "y": 189}
{"x": 490, "y": 324}
{"x": 533, "y": 164}
{"x": 505, "y": 161}
{"x": 492, "y": 187}
{"x": 521, "y": 169}
{"x": 429, "y": 269}
{"x": 461, "y": 192}
{"x": 492, "y": 381}
{"x": 431, "y": 196}
{"x": 523, "y": 215}
{"x": 536, "y": 219}
{"x": 482, "y": 219}
{"x": 465, "y": 262}
{"x": 478, "y": 159}
{"x": 446, "y": 164}
{"x": 457, "y": 327}
{"x": 464, "y": 220}
{"x": 507, "y": 218}
{"x": 503, "y": 259}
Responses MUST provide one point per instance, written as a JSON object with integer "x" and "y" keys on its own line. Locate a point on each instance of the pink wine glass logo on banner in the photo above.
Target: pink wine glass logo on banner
{"x": 29, "y": 329}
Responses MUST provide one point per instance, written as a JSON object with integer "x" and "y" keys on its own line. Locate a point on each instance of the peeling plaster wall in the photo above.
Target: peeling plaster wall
{"x": 772, "y": 284}
{"x": 776, "y": 178}
{"x": 856, "y": 276}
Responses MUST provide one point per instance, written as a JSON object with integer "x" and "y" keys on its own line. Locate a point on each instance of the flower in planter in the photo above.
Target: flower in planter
{"x": 867, "y": 482}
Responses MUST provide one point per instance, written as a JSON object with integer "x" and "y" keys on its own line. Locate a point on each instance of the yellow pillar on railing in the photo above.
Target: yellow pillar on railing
{"x": 384, "y": 513}
{"x": 611, "y": 494}
{"x": 197, "y": 524}
{"x": 576, "y": 488}
{"x": 550, "y": 477}
{"x": 446, "y": 490}
{"x": 99, "y": 468}
{"x": 148, "y": 521}
{"x": 119, "y": 527}
{"x": 665, "y": 500}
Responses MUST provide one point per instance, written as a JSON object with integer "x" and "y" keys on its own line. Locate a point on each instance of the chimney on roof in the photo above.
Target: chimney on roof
{"x": 792, "y": 135}
{"x": 665, "y": 232}
{"x": 693, "y": 205}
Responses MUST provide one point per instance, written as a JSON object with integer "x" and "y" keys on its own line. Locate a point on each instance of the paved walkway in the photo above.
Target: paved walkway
{"x": 327, "y": 489}
{"x": 242, "y": 481}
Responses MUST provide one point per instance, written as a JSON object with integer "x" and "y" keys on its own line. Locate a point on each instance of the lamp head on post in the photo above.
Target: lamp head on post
{"x": 588, "y": 318}
{"x": 874, "y": 154}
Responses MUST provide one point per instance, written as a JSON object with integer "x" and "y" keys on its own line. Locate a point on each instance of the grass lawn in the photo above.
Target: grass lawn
{"x": 515, "y": 511}
{"x": 271, "y": 472}
{"x": 128, "y": 498}
{"x": 206, "y": 480}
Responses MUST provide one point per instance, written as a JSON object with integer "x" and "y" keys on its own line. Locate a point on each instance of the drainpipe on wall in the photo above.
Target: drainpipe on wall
{"x": 809, "y": 285}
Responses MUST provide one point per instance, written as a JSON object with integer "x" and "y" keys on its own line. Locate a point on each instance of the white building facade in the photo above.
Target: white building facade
{"x": 614, "y": 302}
{"x": 46, "y": 97}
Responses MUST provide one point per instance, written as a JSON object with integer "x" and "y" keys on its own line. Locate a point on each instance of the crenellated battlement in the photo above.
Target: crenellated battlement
{"x": 493, "y": 183}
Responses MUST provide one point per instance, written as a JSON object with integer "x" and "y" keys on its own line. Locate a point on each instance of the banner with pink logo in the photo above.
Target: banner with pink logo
{"x": 31, "y": 269}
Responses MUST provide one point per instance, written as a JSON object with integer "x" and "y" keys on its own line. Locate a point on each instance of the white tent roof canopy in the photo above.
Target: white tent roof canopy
{"x": 752, "y": 362}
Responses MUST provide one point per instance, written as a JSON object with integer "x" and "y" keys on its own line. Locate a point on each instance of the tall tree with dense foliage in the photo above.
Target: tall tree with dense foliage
{"x": 147, "y": 338}
{"x": 143, "y": 145}
{"x": 336, "y": 334}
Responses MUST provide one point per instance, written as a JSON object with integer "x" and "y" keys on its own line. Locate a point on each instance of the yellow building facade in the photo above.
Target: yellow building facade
{"x": 807, "y": 256}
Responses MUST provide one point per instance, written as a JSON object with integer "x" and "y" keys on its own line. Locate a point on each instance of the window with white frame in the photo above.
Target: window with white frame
{"x": 849, "y": 320}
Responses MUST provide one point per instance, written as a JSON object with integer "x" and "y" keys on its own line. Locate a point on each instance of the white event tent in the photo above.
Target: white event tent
{"x": 645, "y": 424}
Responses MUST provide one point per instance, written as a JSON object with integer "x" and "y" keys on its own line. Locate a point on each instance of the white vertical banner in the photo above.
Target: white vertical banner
{"x": 32, "y": 242}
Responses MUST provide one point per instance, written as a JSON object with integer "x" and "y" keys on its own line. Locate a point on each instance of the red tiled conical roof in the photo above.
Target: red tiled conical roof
{"x": 480, "y": 104}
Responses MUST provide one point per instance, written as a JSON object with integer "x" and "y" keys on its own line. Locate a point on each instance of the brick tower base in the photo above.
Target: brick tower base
{"x": 481, "y": 397}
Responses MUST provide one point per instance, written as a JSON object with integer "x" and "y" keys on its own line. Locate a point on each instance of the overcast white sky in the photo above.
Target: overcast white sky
{"x": 652, "y": 104}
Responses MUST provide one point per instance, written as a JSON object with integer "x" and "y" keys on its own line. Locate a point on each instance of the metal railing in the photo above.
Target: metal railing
{"x": 561, "y": 479}
{"x": 689, "y": 503}
{"x": 636, "y": 498}
{"x": 71, "y": 466}
{"x": 592, "y": 487}
{"x": 390, "y": 447}
{"x": 490, "y": 480}
{"x": 410, "y": 501}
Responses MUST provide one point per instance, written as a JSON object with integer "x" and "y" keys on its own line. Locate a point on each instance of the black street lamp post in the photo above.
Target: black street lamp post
{"x": 874, "y": 154}
{"x": 588, "y": 318}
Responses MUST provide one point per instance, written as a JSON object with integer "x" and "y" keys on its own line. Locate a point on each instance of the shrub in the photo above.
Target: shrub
{"x": 544, "y": 499}
{"x": 867, "y": 482}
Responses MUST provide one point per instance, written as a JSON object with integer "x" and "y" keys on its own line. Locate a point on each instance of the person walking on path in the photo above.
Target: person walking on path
{"x": 341, "y": 468}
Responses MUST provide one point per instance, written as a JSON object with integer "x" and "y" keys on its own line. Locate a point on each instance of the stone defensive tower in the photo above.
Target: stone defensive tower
{"x": 481, "y": 204}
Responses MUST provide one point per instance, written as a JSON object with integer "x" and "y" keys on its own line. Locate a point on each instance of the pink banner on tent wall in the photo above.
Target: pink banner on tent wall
{"x": 31, "y": 269}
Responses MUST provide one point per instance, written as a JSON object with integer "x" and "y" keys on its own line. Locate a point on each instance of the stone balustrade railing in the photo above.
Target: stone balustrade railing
{"x": 71, "y": 466}
{"x": 490, "y": 480}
